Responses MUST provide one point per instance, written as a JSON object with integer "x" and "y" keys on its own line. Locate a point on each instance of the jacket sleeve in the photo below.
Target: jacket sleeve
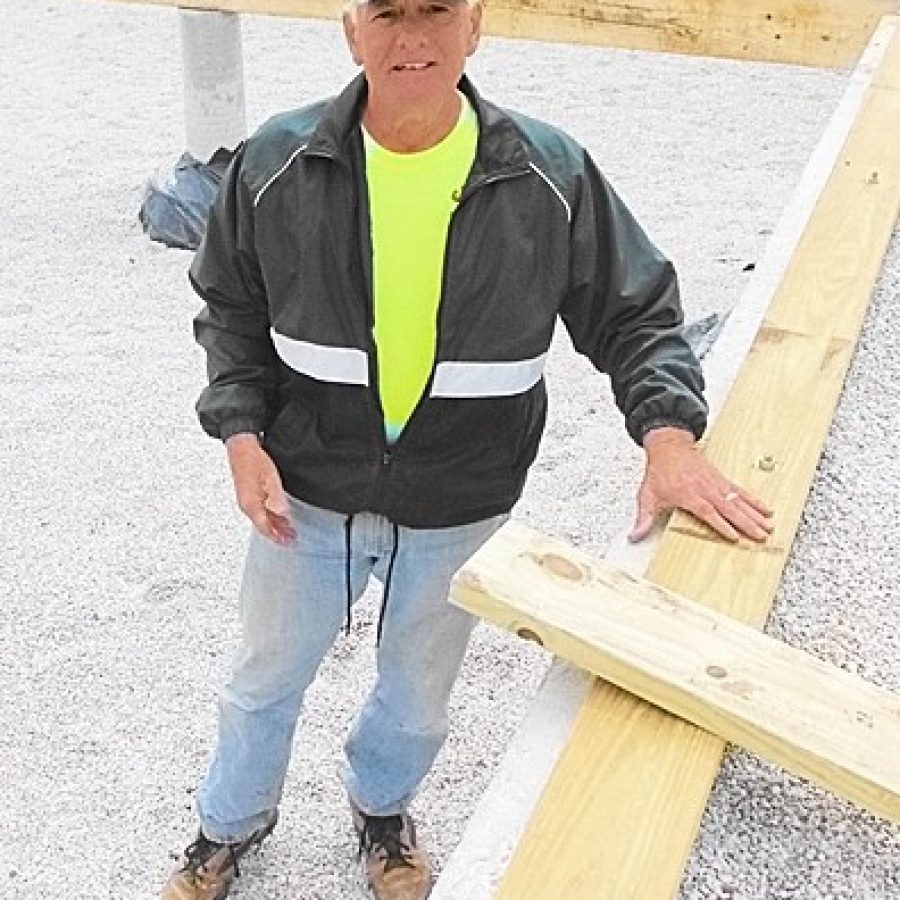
{"x": 233, "y": 326}
{"x": 623, "y": 312}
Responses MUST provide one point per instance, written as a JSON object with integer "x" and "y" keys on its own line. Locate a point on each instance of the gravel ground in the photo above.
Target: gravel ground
{"x": 768, "y": 834}
{"x": 121, "y": 544}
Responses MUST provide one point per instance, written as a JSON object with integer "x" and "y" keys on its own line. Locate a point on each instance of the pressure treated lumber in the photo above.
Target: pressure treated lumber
{"x": 807, "y": 32}
{"x": 500, "y": 817}
{"x": 618, "y": 818}
{"x": 812, "y": 718}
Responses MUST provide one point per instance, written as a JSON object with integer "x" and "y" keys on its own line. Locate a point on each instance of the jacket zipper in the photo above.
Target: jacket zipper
{"x": 365, "y": 244}
{"x": 426, "y": 389}
{"x": 389, "y": 450}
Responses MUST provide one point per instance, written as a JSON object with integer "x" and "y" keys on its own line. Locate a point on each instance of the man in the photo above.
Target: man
{"x": 382, "y": 273}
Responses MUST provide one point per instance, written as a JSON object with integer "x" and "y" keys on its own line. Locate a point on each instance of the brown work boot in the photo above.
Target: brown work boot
{"x": 395, "y": 866}
{"x": 209, "y": 868}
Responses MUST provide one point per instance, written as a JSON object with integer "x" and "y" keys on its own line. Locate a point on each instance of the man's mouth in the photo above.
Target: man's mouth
{"x": 412, "y": 67}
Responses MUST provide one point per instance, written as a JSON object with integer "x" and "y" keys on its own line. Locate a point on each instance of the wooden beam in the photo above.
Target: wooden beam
{"x": 818, "y": 33}
{"x": 806, "y": 32}
{"x": 814, "y": 719}
{"x": 620, "y": 813}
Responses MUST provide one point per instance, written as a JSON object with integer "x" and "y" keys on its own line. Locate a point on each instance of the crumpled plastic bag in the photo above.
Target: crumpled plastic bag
{"x": 701, "y": 334}
{"x": 176, "y": 202}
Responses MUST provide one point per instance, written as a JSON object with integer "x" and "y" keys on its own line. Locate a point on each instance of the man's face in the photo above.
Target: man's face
{"x": 412, "y": 51}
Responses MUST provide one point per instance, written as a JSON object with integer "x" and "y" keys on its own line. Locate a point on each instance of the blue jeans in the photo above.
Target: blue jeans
{"x": 293, "y": 603}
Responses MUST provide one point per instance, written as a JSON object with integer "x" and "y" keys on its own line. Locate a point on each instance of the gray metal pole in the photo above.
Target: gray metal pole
{"x": 214, "y": 109}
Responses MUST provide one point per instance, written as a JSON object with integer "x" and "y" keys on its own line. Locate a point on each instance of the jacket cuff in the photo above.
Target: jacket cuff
{"x": 238, "y": 426}
{"x": 638, "y": 430}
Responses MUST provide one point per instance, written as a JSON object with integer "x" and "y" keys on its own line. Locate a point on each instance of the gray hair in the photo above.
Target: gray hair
{"x": 350, "y": 7}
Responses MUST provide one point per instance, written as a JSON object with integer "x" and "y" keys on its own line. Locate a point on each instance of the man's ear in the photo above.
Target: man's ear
{"x": 349, "y": 23}
{"x": 475, "y": 12}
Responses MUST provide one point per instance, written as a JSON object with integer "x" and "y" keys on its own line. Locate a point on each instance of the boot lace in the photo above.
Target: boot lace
{"x": 382, "y": 835}
{"x": 199, "y": 853}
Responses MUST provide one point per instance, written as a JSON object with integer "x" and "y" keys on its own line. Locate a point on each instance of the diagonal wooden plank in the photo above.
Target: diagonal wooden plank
{"x": 619, "y": 815}
{"x": 797, "y": 711}
{"x": 807, "y": 32}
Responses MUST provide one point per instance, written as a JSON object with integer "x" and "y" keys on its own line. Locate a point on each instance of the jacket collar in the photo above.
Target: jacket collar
{"x": 500, "y": 146}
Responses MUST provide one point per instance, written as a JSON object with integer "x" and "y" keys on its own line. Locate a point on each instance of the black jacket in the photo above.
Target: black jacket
{"x": 285, "y": 272}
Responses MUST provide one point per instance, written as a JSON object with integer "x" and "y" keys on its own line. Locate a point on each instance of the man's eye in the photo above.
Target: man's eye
{"x": 437, "y": 9}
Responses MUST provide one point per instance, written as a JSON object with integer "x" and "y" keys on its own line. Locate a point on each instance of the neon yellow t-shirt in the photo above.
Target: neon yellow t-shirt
{"x": 411, "y": 199}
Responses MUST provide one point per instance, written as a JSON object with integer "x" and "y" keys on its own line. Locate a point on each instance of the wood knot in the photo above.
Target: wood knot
{"x": 530, "y": 635}
{"x": 560, "y": 566}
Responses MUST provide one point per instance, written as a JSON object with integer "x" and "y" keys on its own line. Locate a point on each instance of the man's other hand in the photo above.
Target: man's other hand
{"x": 257, "y": 486}
{"x": 678, "y": 476}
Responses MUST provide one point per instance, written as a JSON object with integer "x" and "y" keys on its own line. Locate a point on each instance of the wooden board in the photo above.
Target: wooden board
{"x": 810, "y": 717}
{"x": 818, "y": 33}
{"x": 620, "y": 813}
{"x": 806, "y": 32}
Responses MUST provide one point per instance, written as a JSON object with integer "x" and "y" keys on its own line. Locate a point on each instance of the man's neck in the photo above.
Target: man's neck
{"x": 411, "y": 130}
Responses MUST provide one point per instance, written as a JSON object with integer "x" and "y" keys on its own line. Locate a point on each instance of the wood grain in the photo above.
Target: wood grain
{"x": 812, "y": 718}
{"x": 805, "y": 32}
{"x": 642, "y": 799}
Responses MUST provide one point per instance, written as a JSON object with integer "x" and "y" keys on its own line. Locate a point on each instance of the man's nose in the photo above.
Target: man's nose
{"x": 413, "y": 29}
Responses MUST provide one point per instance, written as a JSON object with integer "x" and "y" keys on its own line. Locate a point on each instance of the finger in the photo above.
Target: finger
{"x": 643, "y": 525}
{"x": 746, "y": 526}
{"x": 744, "y": 517}
{"x": 754, "y": 502}
{"x": 276, "y": 501}
{"x": 764, "y": 521}
{"x": 278, "y": 511}
{"x": 274, "y": 528}
{"x": 260, "y": 519}
{"x": 705, "y": 510}
{"x": 645, "y": 515}
{"x": 252, "y": 505}
{"x": 281, "y": 529}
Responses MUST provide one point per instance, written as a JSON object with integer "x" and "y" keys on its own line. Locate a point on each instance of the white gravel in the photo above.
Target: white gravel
{"x": 120, "y": 545}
